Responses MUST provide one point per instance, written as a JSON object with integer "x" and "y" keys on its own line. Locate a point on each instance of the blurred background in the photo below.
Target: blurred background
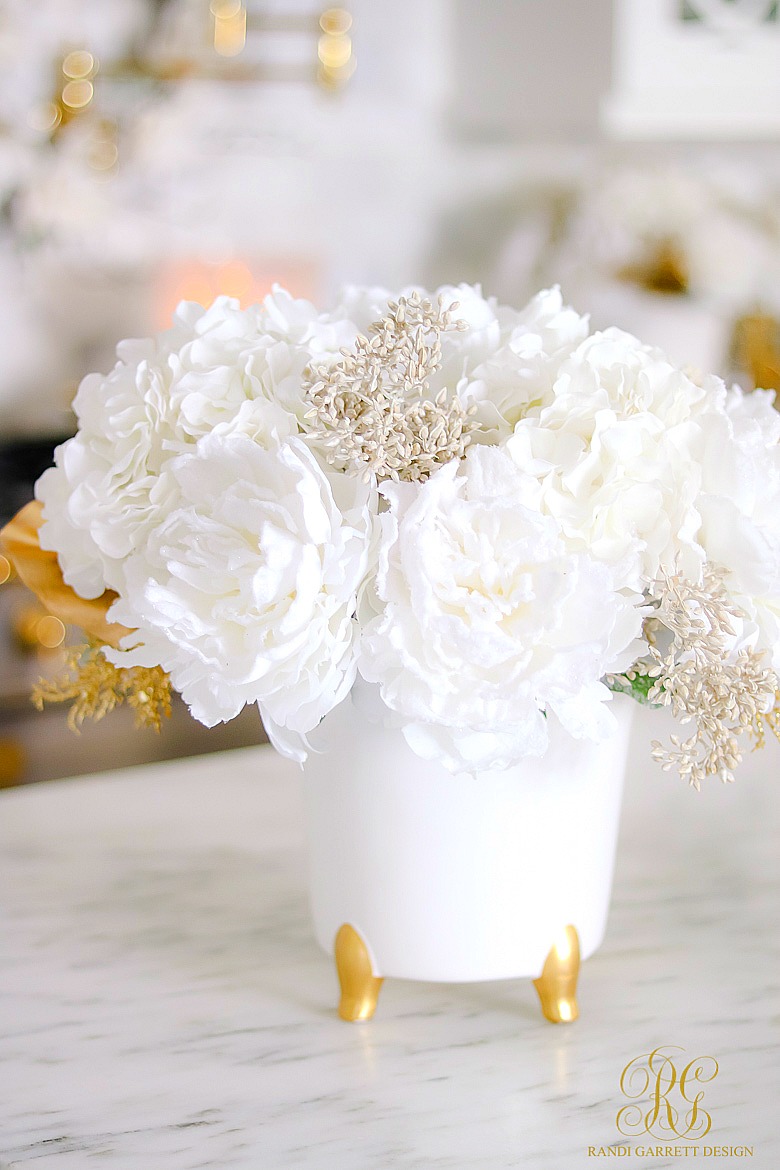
{"x": 154, "y": 150}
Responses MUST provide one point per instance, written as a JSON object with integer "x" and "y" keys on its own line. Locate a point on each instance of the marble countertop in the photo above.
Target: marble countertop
{"x": 163, "y": 1005}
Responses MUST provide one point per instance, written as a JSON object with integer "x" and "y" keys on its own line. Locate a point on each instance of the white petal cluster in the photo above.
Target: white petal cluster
{"x": 614, "y": 453}
{"x": 489, "y": 624}
{"x": 739, "y": 506}
{"x": 514, "y": 379}
{"x": 219, "y": 370}
{"x": 245, "y": 592}
{"x": 476, "y": 607}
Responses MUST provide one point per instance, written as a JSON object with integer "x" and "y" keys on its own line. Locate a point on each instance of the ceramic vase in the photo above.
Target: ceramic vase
{"x": 420, "y": 874}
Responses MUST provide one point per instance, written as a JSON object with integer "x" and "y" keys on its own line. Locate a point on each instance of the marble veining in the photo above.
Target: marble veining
{"x": 163, "y": 1005}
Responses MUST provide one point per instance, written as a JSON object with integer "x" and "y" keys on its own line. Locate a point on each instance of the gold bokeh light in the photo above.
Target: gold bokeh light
{"x": 336, "y": 21}
{"x": 334, "y": 52}
{"x": 79, "y": 64}
{"x": 45, "y": 118}
{"x": 77, "y": 94}
{"x": 226, "y": 9}
{"x": 229, "y": 26}
{"x": 334, "y": 48}
{"x": 50, "y": 632}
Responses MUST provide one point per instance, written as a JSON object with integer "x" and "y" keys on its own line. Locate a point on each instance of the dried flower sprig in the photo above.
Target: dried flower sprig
{"x": 373, "y": 409}
{"x": 94, "y": 687}
{"x": 696, "y": 615}
{"x": 725, "y": 695}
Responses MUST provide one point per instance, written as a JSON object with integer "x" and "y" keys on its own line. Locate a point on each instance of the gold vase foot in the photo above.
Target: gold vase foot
{"x": 359, "y": 985}
{"x": 557, "y": 984}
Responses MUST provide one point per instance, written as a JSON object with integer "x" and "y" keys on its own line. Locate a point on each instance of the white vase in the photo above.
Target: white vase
{"x": 459, "y": 878}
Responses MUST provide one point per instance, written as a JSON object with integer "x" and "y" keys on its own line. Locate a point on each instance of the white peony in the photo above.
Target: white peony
{"x": 226, "y": 369}
{"x": 636, "y": 378}
{"x": 293, "y": 333}
{"x": 739, "y": 507}
{"x": 246, "y": 590}
{"x": 477, "y": 607}
{"x": 614, "y": 454}
{"x": 110, "y": 486}
{"x": 488, "y": 621}
{"x": 516, "y": 377}
{"x": 219, "y": 370}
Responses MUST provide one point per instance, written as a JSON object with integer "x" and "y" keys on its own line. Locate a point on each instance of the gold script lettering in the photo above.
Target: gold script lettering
{"x": 674, "y": 1098}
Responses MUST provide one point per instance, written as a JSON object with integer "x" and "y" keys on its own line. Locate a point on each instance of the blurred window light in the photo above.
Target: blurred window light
{"x": 728, "y": 13}
{"x": 703, "y": 69}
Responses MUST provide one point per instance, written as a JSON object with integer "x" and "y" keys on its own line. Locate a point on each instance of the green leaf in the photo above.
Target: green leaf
{"x": 637, "y": 687}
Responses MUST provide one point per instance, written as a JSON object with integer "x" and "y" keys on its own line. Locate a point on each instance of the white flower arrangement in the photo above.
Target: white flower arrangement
{"x": 489, "y": 521}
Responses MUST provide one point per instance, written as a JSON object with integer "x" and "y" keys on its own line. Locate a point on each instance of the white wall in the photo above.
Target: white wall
{"x": 530, "y": 69}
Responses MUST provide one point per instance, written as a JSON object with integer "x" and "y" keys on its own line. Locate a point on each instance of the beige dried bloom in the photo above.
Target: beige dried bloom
{"x": 723, "y": 695}
{"x": 373, "y": 409}
{"x": 699, "y": 614}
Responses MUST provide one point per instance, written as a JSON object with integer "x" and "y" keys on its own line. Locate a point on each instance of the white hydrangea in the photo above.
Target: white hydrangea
{"x": 246, "y": 590}
{"x": 488, "y": 623}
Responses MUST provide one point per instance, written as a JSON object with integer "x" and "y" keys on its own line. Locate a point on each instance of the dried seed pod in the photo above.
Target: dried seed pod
{"x": 376, "y": 401}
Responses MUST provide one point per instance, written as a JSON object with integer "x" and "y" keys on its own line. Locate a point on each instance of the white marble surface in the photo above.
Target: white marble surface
{"x": 164, "y": 1007}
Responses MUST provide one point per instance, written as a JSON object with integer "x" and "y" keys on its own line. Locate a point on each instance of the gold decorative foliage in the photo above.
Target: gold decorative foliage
{"x": 755, "y": 348}
{"x": 764, "y": 721}
{"x": 40, "y": 571}
{"x": 94, "y": 687}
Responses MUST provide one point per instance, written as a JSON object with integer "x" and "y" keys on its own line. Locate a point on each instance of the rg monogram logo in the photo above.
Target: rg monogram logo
{"x": 670, "y": 1099}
